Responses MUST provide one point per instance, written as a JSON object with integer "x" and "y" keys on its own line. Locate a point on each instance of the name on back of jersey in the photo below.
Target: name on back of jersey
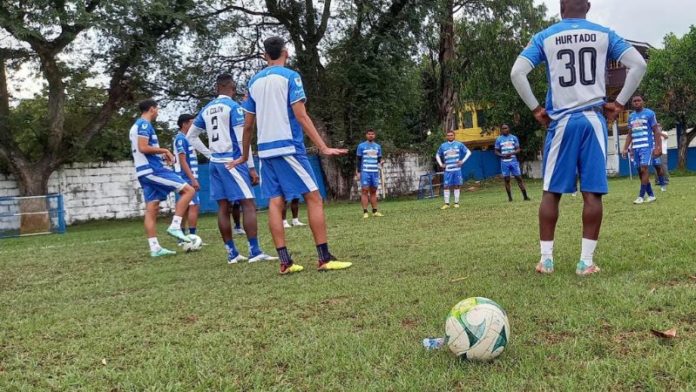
{"x": 569, "y": 39}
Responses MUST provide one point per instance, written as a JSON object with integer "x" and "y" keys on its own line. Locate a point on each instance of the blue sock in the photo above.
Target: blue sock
{"x": 237, "y": 226}
{"x": 284, "y": 256}
{"x": 231, "y": 249}
{"x": 642, "y": 190}
{"x": 648, "y": 188}
{"x": 254, "y": 248}
{"x": 192, "y": 230}
{"x": 661, "y": 180}
{"x": 323, "y": 252}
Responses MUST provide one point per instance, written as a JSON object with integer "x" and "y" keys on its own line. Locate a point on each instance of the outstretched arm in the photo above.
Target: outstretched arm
{"x": 298, "y": 108}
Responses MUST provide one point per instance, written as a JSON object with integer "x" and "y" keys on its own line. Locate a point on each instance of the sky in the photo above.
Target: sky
{"x": 638, "y": 20}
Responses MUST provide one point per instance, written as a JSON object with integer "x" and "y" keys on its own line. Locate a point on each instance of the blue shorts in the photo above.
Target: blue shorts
{"x": 510, "y": 168}
{"x": 196, "y": 200}
{"x": 453, "y": 178}
{"x": 287, "y": 176}
{"x": 657, "y": 161}
{"x": 157, "y": 185}
{"x": 643, "y": 156}
{"x": 369, "y": 180}
{"x": 230, "y": 184}
{"x": 576, "y": 145}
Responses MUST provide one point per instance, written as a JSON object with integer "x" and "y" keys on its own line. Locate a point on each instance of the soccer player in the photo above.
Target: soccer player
{"x": 186, "y": 167}
{"x": 367, "y": 170}
{"x": 507, "y": 147}
{"x": 646, "y": 143}
{"x": 156, "y": 179}
{"x": 222, "y": 119}
{"x": 451, "y": 156}
{"x": 661, "y": 163}
{"x": 277, "y": 101}
{"x": 295, "y": 208}
{"x": 576, "y": 53}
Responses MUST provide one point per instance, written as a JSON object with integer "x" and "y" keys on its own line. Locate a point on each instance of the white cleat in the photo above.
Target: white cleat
{"x": 297, "y": 223}
{"x": 237, "y": 259}
{"x": 262, "y": 257}
{"x": 239, "y": 231}
{"x": 639, "y": 200}
{"x": 663, "y": 188}
{"x": 650, "y": 199}
{"x": 286, "y": 224}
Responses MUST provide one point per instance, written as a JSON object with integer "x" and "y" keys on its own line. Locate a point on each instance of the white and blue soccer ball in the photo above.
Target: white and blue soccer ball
{"x": 195, "y": 244}
{"x": 477, "y": 329}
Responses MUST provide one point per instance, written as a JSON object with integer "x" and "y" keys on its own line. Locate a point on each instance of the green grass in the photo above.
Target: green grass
{"x": 89, "y": 310}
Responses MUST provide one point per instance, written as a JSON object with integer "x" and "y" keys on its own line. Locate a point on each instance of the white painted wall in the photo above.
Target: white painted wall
{"x": 401, "y": 174}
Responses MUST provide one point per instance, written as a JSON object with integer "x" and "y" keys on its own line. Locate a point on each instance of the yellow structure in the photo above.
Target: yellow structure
{"x": 470, "y": 127}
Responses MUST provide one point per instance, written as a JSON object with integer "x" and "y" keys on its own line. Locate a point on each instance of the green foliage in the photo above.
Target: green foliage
{"x": 670, "y": 82}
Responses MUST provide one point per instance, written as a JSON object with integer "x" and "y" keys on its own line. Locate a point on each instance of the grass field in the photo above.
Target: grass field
{"x": 89, "y": 310}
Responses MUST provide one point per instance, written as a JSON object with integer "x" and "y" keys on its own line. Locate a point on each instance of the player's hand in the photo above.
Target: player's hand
{"x": 460, "y": 163}
{"x": 331, "y": 152}
{"x": 624, "y": 154}
{"x": 254, "y": 176}
{"x": 168, "y": 157}
{"x": 657, "y": 152}
{"x": 541, "y": 116}
{"x": 235, "y": 163}
{"x": 357, "y": 175}
{"x": 196, "y": 185}
{"x": 612, "y": 111}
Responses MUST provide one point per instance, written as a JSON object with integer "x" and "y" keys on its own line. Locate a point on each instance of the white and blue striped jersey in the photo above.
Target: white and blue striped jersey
{"x": 507, "y": 144}
{"x": 223, "y": 120}
{"x": 576, "y": 52}
{"x": 370, "y": 152}
{"x": 451, "y": 153}
{"x": 145, "y": 163}
{"x": 272, "y": 92}
{"x": 182, "y": 146}
{"x": 641, "y": 125}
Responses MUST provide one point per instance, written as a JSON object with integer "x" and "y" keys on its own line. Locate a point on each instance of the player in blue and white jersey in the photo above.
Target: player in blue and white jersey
{"x": 576, "y": 53}
{"x": 645, "y": 141}
{"x": 276, "y": 102}
{"x": 186, "y": 166}
{"x": 156, "y": 179}
{"x": 451, "y": 156}
{"x": 507, "y": 147}
{"x": 222, "y": 119}
{"x": 367, "y": 168}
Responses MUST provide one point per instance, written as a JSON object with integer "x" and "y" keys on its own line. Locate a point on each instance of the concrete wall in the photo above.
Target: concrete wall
{"x": 401, "y": 174}
{"x": 94, "y": 191}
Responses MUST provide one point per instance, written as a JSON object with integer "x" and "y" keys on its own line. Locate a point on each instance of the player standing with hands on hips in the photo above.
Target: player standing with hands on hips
{"x": 451, "y": 156}
{"x": 507, "y": 147}
{"x": 276, "y": 102}
{"x": 576, "y": 53}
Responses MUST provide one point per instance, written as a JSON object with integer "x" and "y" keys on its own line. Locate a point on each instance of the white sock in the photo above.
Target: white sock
{"x": 295, "y": 221}
{"x": 176, "y": 222}
{"x": 456, "y": 196}
{"x": 154, "y": 244}
{"x": 546, "y": 250}
{"x": 588, "y": 248}
{"x": 447, "y": 194}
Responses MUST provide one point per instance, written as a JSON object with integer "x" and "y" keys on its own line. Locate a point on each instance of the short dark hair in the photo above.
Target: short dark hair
{"x": 504, "y": 126}
{"x": 225, "y": 79}
{"x": 449, "y": 131}
{"x": 370, "y": 130}
{"x": 145, "y": 105}
{"x": 273, "y": 47}
{"x": 636, "y": 95}
{"x": 184, "y": 118}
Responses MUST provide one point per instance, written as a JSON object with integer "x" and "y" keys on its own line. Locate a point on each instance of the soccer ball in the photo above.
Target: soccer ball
{"x": 194, "y": 245}
{"x": 477, "y": 329}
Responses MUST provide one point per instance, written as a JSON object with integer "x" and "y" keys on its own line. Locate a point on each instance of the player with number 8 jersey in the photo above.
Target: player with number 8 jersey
{"x": 576, "y": 53}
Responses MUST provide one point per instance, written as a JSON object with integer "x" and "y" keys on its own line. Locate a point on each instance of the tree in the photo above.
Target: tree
{"x": 124, "y": 37}
{"x": 670, "y": 83}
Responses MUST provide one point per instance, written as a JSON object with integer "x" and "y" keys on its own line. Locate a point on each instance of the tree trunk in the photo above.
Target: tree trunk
{"x": 338, "y": 183}
{"x": 445, "y": 60}
{"x": 685, "y": 139}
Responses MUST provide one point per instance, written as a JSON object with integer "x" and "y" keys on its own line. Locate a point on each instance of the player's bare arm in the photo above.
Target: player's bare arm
{"x": 145, "y": 148}
{"x": 249, "y": 121}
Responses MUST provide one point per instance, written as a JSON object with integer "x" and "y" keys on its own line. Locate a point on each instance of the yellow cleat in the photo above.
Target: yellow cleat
{"x": 289, "y": 270}
{"x": 366, "y": 215}
{"x": 456, "y": 205}
{"x": 378, "y": 214}
{"x": 334, "y": 265}
{"x": 444, "y": 207}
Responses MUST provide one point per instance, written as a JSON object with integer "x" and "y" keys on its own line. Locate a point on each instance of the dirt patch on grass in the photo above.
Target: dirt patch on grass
{"x": 190, "y": 319}
{"x": 409, "y": 323}
{"x": 550, "y": 337}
